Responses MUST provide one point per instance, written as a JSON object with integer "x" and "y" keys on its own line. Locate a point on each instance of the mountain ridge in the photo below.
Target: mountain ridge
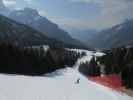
{"x": 118, "y": 35}
{"x": 13, "y": 31}
{"x": 23, "y": 35}
{"x": 32, "y": 18}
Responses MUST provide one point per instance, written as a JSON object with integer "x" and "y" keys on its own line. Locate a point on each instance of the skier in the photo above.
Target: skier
{"x": 77, "y": 82}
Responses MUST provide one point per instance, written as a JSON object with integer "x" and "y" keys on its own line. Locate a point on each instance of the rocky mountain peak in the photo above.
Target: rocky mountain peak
{"x": 3, "y": 9}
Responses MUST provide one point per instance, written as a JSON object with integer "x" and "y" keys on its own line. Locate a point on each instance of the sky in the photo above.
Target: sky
{"x": 80, "y": 14}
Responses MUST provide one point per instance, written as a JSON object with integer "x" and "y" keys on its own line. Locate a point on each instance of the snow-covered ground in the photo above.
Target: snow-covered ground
{"x": 59, "y": 85}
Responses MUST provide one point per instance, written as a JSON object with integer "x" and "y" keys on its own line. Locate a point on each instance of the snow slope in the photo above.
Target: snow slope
{"x": 59, "y": 85}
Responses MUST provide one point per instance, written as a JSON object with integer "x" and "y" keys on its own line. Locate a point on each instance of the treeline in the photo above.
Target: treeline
{"x": 34, "y": 61}
{"x": 116, "y": 61}
{"x": 90, "y": 68}
{"x": 119, "y": 61}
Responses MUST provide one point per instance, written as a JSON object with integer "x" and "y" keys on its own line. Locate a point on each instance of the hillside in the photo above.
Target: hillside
{"x": 32, "y": 18}
{"x": 59, "y": 85}
{"x": 82, "y": 35}
{"x": 119, "y": 35}
{"x": 21, "y": 34}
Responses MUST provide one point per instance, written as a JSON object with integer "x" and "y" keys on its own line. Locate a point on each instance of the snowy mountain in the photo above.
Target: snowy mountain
{"x": 32, "y": 18}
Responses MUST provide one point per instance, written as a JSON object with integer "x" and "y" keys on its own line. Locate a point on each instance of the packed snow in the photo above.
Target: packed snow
{"x": 59, "y": 85}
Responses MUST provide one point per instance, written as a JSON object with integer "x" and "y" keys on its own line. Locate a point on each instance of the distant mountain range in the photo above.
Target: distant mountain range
{"x": 31, "y": 19}
{"x": 83, "y": 35}
{"x": 12, "y": 31}
{"x": 23, "y": 35}
{"x": 118, "y": 35}
{"x": 28, "y": 25}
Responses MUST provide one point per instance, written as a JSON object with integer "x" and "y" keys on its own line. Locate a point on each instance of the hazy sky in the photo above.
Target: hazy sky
{"x": 96, "y": 14}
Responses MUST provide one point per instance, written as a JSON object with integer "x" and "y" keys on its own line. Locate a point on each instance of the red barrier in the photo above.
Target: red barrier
{"x": 113, "y": 81}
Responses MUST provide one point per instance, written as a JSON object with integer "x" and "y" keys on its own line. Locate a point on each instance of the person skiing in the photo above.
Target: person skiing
{"x": 77, "y": 82}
